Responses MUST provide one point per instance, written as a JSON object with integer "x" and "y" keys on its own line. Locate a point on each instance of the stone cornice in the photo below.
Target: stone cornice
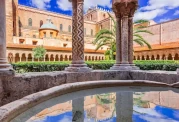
{"x": 48, "y": 13}
{"x": 52, "y": 48}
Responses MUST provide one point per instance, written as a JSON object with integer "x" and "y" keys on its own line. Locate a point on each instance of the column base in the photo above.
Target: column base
{"x": 78, "y": 68}
{"x": 124, "y": 67}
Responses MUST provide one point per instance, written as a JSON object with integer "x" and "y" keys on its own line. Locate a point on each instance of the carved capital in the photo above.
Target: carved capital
{"x": 125, "y": 9}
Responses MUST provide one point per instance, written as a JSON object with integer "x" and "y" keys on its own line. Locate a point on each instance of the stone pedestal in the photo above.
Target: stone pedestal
{"x": 124, "y": 11}
{"x": 78, "y": 63}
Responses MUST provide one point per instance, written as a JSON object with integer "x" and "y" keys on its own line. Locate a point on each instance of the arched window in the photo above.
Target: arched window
{"x": 30, "y": 22}
{"x": 91, "y": 17}
{"x": 104, "y": 16}
{"x": 41, "y": 23}
{"x": 91, "y": 32}
{"x": 69, "y": 28}
{"x": 61, "y": 27}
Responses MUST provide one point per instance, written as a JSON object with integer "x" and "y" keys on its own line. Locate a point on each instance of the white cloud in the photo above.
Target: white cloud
{"x": 149, "y": 15}
{"x": 42, "y": 4}
{"x": 158, "y": 4}
{"x": 164, "y": 20}
{"x": 156, "y": 8}
{"x": 176, "y": 13}
{"x": 66, "y": 5}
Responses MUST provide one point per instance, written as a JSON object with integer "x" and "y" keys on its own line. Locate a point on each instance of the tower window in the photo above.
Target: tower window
{"x": 30, "y": 22}
{"x": 41, "y": 23}
{"x": 44, "y": 34}
{"x": 61, "y": 27}
{"x": 69, "y": 28}
{"x": 51, "y": 34}
{"x": 91, "y": 32}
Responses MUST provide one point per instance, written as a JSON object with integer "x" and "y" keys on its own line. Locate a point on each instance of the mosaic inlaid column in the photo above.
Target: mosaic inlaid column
{"x": 78, "y": 63}
{"x": 124, "y": 40}
{"x": 4, "y": 66}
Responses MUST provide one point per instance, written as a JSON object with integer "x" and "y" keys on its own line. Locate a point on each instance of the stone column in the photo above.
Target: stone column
{"x": 78, "y": 63}
{"x": 78, "y": 110}
{"x": 124, "y": 41}
{"x": 4, "y": 66}
{"x": 124, "y": 106}
{"x": 124, "y": 36}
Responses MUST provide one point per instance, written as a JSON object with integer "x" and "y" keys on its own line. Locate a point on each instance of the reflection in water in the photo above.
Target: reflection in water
{"x": 115, "y": 107}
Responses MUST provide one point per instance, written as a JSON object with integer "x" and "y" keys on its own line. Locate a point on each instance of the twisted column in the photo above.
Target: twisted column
{"x": 78, "y": 63}
{"x": 4, "y": 66}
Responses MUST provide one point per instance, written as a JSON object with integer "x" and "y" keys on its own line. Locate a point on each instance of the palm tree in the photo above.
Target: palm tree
{"x": 108, "y": 38}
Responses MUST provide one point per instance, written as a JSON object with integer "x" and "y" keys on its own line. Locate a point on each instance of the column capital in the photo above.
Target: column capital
{"x": 125, "y": 9}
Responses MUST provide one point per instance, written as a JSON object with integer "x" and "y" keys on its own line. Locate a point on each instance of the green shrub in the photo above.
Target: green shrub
{"x": 96, "y": 65}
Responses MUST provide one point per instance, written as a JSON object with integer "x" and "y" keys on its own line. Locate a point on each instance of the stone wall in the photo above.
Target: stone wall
{"x": 24, "y": 84}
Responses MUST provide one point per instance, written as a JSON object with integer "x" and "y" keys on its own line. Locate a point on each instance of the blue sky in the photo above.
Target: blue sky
{"x": 157, "y": 10}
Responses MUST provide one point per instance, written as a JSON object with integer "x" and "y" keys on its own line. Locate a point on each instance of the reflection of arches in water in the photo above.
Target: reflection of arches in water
{"x": 176, "y": 56}
{"x": 17, "y": 57}
{"x": 10, "y": 57}
{"x": 170, "y": 57}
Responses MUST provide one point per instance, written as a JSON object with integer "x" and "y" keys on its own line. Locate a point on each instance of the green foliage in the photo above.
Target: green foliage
{"x": 39, "y": 52}
{"x": 96, "y": 65}
{"x": 107, "y": 37}
{"x": 141, "y": 21}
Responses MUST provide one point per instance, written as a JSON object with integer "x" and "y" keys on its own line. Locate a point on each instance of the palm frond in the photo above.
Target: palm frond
{"x": 143, "y": 40}
{"x": 143, "y": 31}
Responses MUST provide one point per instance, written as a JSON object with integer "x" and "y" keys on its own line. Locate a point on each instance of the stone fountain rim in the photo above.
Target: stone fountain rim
{"x": 13, "y": 109}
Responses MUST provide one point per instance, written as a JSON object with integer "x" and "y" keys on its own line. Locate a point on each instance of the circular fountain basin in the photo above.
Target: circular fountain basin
{"x": 114, "y": 101}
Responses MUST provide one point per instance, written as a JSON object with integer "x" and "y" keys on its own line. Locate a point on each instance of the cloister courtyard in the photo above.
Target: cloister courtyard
{"x": 51, "y": 75}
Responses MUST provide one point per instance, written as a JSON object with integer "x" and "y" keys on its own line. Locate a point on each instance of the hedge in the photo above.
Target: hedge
{"x": 96, "y": 65}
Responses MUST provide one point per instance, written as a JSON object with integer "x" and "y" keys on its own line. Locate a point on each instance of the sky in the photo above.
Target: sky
{"x": 157, "y": 10}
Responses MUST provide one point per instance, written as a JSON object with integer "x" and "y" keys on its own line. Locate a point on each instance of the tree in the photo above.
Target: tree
{"x": 108, "y": 38}
{"x": 39, "y": 52}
